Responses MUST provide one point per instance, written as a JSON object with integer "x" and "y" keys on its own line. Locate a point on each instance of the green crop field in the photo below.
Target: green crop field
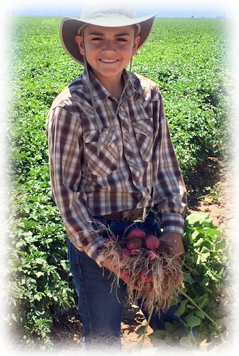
{"x": 188, "y": 59}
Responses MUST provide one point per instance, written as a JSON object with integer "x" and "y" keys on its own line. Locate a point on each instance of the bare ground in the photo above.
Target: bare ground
{"x": 221, "y": 200}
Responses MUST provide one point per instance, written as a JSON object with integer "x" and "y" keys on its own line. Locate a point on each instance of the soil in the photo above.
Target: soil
{"x": 216, "y": 200}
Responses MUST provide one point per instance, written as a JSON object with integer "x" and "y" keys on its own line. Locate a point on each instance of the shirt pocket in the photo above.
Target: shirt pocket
{"x": 144, "y": 135}
{"x": 107, "y": 160}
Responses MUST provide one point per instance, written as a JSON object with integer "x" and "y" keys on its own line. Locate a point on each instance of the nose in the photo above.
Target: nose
{"x": 109, "y": 46}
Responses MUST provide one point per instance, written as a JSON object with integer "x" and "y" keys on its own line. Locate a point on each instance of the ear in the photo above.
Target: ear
{"x": 135, "y": 46}
{"x": 79, "y": 41}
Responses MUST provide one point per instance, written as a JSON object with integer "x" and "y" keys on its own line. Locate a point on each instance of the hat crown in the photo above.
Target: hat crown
{"x": 113, "y": 8}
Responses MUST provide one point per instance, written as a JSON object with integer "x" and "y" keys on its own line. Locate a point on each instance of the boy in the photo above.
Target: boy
{"x": 112, "y": 162}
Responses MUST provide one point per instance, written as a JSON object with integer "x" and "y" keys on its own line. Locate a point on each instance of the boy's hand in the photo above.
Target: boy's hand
{"x": 175, "y": 240}
{"x": 107, "y": 263}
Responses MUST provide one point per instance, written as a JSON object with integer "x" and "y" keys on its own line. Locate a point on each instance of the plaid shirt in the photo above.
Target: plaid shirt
{"x": 136, "y": 166}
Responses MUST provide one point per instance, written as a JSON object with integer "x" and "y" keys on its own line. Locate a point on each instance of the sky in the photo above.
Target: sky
{"x": 171, "y": 8}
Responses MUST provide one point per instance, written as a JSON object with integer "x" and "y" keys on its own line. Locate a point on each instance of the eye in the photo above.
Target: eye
{"x": 122, "y": 39}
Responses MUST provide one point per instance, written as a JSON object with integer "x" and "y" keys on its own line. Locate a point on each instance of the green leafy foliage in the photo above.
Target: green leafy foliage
{"x": 187, "y": 59}
{"x": 207, "y": 274}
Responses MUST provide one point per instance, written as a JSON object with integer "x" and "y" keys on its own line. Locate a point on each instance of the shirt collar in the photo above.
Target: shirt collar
{"x": 100, "y": 93}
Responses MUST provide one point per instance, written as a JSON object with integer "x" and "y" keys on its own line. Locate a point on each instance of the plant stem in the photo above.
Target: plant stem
{"x": 190, "y": 269}
{"x": 214, "y": 275}
{"x": 146, "y": 326}
{"x": 205, "y": 314}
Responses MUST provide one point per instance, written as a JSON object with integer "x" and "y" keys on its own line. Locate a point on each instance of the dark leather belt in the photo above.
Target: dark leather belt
{"x": 128, "y": 215}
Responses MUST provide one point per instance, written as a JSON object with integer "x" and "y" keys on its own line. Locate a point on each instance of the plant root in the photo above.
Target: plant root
{"x": 166, "y": 270}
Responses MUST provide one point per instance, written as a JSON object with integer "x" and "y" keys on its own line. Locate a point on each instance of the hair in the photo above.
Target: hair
{"x": 136, "y": 27}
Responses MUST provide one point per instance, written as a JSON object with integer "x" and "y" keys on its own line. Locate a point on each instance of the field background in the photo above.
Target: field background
{"x": 189, "y": 59}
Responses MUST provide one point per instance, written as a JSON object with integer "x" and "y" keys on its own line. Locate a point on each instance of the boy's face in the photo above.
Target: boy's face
{"x": 108, "y": 49}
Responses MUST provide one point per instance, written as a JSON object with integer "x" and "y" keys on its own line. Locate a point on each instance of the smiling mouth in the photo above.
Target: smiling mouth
{"x": 108, "y": 60}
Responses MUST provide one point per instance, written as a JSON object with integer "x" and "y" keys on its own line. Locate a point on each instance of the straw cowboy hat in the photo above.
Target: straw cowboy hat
{"x": 113, "y": 13}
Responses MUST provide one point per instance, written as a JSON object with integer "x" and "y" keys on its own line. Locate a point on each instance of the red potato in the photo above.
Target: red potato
{"x": 134, "y": 243}
{"x": 146, "y": 275}
{"x": 139, "y": 234}
{"x": 151, "y": 242}
{"x": 152, "y": 255}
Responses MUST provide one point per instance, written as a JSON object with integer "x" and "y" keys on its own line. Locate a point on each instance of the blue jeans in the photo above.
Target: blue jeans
{"x": 100, "y": 306}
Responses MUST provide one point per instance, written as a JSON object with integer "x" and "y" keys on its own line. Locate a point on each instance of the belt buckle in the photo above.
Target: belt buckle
{"x": 125, "y": 215}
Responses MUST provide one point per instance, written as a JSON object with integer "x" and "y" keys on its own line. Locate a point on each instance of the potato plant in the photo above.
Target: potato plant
{"x": 205, "y": 299}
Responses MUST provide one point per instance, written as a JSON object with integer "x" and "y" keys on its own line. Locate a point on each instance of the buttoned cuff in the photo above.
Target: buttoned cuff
{"x": 173, "y": 223}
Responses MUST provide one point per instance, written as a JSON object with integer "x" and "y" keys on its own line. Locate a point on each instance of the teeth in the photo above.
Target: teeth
{"x": 108, "y": 60}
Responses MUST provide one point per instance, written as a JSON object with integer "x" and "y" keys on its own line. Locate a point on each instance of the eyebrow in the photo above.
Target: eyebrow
{"x": 94, "y": 33}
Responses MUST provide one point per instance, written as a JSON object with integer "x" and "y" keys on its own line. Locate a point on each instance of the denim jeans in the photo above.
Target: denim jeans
{"x": 100, "y": 306}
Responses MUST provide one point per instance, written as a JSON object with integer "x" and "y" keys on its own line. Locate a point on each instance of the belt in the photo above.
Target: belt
{"x": 128, "y": 215}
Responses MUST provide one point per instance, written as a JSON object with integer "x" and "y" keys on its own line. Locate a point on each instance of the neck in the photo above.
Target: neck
{"x": 114, "y": 85}
{"x": 115, "y": 88}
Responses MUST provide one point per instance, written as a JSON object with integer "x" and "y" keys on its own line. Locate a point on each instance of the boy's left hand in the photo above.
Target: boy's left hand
{"x": 175, "y": 240}
{"x": 107, "y": 263}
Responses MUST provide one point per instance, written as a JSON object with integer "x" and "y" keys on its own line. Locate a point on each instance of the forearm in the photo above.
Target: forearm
{"x": 169, "y": 189}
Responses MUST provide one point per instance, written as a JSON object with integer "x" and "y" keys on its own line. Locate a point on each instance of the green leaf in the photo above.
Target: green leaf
{"x": 199, "y": 242}
{"x": 157, "y": 334}
{"x": 141, "y": 330}
{"x": 192, "y": 320}
{"x": 204, "y": 256}
{"x": 195, "y": 234}
{"x": 169, "y": 327}
{"x": 188, "y": 278}
{"x": 201, "y": 301}
{"x": 212, "y": 232}
{"x": 181, "y": 308}
{"x": 199, "y": 313}
{"x": 197, "y": 218}
{"x": 39, "y": 274}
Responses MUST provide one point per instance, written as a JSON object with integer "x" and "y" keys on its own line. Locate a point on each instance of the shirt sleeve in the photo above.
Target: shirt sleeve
{"x": 169, "y": 188}
{"x": 64, "y": 133}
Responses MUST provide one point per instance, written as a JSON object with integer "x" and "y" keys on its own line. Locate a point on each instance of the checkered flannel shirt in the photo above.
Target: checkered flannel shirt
{"x": 136, "y": 166}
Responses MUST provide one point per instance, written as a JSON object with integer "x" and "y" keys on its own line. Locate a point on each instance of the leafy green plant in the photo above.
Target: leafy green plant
{"x": 207, "y": 275}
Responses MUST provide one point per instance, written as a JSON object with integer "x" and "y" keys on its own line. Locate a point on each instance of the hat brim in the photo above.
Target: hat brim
{"x": 70, "y": 26}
